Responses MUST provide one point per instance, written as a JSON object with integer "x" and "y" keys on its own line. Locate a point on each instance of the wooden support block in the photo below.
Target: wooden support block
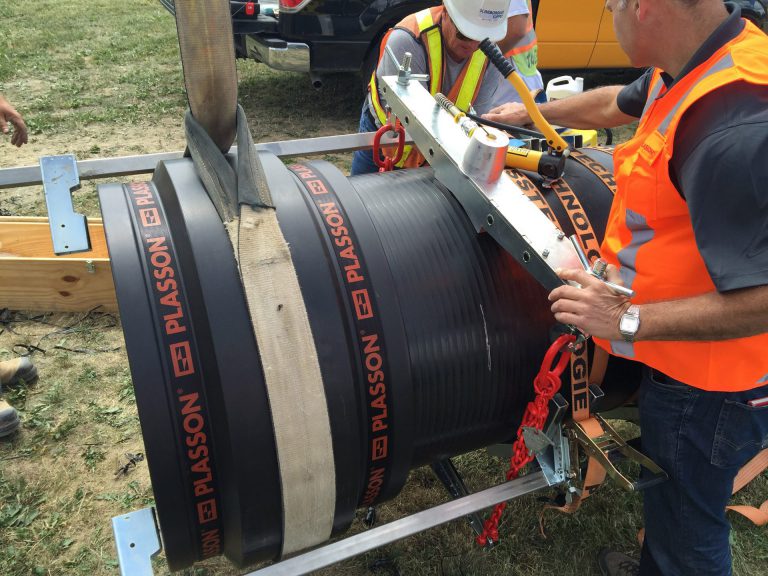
{"x": 32, "y": 277}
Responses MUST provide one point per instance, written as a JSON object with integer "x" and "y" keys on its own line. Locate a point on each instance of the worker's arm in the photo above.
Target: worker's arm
{"x": 8, "y": 115}
{"x": 400, "y": 42}
{"x": 596, "y": 310}
{"x": 516, "y": 27}
{"x": 596, "y": 108}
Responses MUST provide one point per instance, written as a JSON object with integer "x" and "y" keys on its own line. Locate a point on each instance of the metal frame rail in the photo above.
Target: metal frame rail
{"x": 146, "y": 163}
{"x": 137, "y": 541}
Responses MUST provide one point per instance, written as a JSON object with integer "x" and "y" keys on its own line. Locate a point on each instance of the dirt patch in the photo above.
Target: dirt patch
{"x": 98, "y": 141}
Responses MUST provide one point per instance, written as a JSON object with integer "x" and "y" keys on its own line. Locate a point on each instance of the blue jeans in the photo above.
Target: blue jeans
{"x": 700, "y": 439}
{"x": 362, "y": 160}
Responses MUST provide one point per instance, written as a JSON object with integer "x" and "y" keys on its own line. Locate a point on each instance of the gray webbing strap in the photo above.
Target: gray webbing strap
{"x": 294, "y": 383}
{"x": 281, "y": 326}
{"x": 228, "y": 187}
{"x": 206, "y": 43}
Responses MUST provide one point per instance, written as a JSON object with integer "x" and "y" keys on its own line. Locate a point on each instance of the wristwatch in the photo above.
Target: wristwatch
{"x": 630, "y": 323}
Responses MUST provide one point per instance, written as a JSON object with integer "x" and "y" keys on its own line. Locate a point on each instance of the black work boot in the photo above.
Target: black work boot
{"x": 9, "y": 419}
{"x": 617, "y": 564}
{"x": 17, "y": 371}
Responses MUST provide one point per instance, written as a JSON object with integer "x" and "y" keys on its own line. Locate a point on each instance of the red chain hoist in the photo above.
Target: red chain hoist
{"x": 546, "y": 385}
{"x": 382, "y": 160}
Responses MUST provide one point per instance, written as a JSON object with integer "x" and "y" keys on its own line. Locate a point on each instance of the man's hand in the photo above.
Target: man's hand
{"x": 512, "y": 113}
{"x": 594, "y": 308}
{"x": 8, "y": 114}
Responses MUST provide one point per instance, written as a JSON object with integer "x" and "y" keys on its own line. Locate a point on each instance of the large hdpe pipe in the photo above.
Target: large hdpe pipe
{"x": 461, "y": 330}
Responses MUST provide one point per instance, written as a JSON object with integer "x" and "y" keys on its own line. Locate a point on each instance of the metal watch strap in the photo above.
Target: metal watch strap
{"x": 634, "y": 311}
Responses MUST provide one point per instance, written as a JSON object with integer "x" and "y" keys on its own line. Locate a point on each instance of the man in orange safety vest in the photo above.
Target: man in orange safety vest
{"x": 687, "y": 232}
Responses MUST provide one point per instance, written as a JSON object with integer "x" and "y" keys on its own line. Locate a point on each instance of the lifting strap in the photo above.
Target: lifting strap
{"x": 205, "y": 42}
{"x": 582, "y": 374}
{"x": 294, "y": 382}
{"x": 286, "y": 346}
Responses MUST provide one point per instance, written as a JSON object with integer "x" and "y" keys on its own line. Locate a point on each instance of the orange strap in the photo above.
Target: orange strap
{"x": 582, "y": 374}
{"x": 596, "y": 168}
{"x": 750, "y": 471}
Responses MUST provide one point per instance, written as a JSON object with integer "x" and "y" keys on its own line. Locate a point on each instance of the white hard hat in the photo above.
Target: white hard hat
{"x": 479, "y": 19}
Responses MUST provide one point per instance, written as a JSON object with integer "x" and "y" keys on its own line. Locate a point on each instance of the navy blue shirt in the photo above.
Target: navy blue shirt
{"x": 720, "y": 167}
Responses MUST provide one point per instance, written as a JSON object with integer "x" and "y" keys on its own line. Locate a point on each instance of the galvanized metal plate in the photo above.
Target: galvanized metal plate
{"x": 69, "y": 229}
{"x": 137, "y": 541}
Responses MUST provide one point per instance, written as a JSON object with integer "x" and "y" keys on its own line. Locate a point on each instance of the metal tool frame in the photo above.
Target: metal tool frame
{"x": 499, "y": 208}
{"x": 145, "y": 163}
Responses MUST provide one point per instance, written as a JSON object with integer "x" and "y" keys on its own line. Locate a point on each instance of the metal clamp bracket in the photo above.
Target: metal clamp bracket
{"x": 137, "y": 540}
{"x": 606, "y": 445}
{"x": 499, "y": 208}
{"x": 551, "y": 445}
{"x": 69, "y": 230}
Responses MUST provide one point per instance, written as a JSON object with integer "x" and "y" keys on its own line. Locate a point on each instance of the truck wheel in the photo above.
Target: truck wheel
{"x": 369, "y": 65}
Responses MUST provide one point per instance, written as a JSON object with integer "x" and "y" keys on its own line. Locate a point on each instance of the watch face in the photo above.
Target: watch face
{"x": 629, "y": 324}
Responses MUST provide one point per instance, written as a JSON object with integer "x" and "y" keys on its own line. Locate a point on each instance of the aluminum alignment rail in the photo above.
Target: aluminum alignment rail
{"x": 408, "y": 526}
{"x": 135, "y": 533}
{"x": 499, "y": 208}
{"x": 146, "y": 163}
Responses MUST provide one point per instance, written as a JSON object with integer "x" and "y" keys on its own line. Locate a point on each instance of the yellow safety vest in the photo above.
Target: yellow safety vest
{"x": 425, "y": 26}
{"x": 525, "y": 53}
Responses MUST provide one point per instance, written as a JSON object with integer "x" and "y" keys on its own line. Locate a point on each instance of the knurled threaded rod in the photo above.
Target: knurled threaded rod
{"x": 448, "y": 106}
{"x": 467, "y": 125}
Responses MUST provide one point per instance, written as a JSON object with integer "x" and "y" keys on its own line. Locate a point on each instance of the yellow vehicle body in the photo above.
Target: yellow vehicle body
{"x": 576, "y": 34}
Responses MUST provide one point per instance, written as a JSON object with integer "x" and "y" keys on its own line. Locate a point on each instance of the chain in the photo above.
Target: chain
{"x": 546, "y": 384}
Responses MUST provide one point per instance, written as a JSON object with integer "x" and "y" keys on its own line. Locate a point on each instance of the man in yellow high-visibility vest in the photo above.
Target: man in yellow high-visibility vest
{"x": 444, "y": 44}
{"x": 521, "y": 46}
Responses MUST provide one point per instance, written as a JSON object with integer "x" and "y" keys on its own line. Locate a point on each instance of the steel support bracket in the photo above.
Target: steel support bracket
{"x": 555, "y": 459}
{"x": 137, "y": 540}
{"x": 69, "y": 230}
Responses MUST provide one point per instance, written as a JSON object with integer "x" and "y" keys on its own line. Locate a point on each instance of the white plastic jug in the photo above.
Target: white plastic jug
{"x": 564, "y": 86}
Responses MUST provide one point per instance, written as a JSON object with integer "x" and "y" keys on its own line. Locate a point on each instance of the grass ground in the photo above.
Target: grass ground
{"x": 100, "y": 79}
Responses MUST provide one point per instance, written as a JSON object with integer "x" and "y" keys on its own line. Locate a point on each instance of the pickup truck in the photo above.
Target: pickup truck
{"x": 326, "y": 36}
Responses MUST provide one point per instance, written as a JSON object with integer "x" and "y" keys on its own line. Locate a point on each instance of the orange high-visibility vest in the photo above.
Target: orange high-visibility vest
{"x": 425, "y": 27}
{"x": 525, "y": 53}
{"x": 650, "y": 236}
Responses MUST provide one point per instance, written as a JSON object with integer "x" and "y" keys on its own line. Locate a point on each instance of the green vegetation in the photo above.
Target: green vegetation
{"x": 102, "y": 78}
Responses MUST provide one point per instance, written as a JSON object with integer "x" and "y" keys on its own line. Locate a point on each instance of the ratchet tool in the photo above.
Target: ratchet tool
{"x": 549, "y": 164}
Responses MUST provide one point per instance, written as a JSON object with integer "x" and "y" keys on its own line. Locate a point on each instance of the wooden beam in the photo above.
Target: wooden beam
{"x": 33, "y": 278}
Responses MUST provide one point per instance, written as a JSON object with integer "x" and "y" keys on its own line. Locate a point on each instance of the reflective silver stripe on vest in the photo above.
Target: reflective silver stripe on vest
{"x": 724, "y": 63}
{"x": 528, "y": 38}
{"x": 627, "y": 256}
{"x": 652, "y": 96}
{"x": 641, "y": 235}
